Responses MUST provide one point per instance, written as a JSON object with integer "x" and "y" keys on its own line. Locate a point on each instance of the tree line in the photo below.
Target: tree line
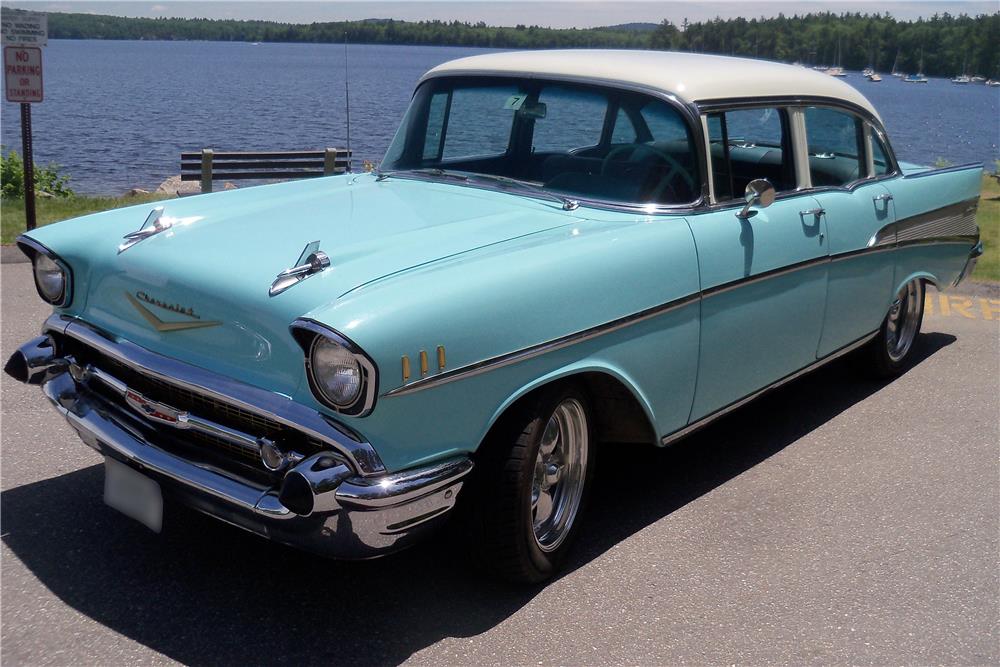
{"x": 946, "y": 44}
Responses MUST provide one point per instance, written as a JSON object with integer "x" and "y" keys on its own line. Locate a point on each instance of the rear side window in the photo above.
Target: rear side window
{"x": 748, "y": 144}
{"x": 835, "y": 140}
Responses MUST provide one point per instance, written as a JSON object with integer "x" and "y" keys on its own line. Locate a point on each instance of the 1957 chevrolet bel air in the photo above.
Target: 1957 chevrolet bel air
{"x": 559, "y": 248}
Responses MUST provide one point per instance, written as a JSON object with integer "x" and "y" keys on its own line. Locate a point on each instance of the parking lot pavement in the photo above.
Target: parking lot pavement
{"x": 836, "y": 520}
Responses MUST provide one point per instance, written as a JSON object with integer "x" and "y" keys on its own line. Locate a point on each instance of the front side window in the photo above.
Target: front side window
{"x": 835, "y": 139}
{"x": 748, "y": 144}
{"x": 583, "y": 141}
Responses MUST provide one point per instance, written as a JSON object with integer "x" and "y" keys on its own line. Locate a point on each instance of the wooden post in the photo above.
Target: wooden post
{"x": 330, "y": 161}
{"x": 206, "y": 170}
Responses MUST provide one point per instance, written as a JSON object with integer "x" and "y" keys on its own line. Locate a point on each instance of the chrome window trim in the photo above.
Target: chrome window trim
{"x": 30, "y": 247}
{"x": 797, "y": 105}
{"x": 305, "y": 331}
{"x": 278, "y": 407}
{"x": 689, "y": 113}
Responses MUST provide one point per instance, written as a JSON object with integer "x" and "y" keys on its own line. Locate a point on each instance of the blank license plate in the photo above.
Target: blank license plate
{"x": 133, "y": 494}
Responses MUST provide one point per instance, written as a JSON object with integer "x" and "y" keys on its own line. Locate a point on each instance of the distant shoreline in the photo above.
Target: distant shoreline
{"x": 943, "y": 45}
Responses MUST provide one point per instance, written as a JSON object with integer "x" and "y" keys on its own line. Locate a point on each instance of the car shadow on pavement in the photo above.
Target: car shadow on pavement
{"x": 207, "y": 593}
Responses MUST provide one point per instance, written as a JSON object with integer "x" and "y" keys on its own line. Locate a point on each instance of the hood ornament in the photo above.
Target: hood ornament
{"x": 312, "y": 260}
{"x": 155, "y": 223}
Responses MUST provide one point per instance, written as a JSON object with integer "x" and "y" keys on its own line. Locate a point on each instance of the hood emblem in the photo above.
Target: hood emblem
{"x": 159, "y": 324}
{"x": 311, "y": 260}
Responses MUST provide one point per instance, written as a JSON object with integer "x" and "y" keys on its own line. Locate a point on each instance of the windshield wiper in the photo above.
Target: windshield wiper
{"x": 505, "y": 182}
{"x": 514, "y": 183}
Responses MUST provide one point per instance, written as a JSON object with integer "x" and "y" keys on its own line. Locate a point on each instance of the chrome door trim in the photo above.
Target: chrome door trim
{"x": 708, "y": 419}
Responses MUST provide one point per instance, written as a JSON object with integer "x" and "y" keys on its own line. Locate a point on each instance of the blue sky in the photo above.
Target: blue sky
{"x": 568, "y": 13}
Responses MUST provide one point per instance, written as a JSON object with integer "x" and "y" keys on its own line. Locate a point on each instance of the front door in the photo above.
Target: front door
{"x": 763, "y": 278}
{"x": 764, "y": 286}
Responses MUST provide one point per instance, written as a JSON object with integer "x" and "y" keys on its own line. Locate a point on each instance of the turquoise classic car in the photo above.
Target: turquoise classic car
{"x": 559, "y": 249}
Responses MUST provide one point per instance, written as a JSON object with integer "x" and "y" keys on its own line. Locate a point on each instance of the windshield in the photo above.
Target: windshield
{"x": 568, "y": 139}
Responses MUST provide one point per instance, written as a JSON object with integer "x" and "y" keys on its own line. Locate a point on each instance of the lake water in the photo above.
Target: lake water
{"x": 118, "y": 114}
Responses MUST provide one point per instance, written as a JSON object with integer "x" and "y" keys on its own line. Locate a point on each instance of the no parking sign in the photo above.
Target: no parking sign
{"x": 22, "y": 73}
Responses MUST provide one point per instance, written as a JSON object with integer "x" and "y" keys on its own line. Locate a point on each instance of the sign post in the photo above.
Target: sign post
{"x": 24, "y": 33}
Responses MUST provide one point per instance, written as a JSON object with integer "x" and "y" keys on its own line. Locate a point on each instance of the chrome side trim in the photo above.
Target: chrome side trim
{"x": 765, "y": 275}
{"x": 944, "y": 170}
{"x": 708, "y": 419}
{"x": 227, "y": 390}
{"x": 539, "y": 349}
{"x": 954, "y": 221}
{"x": 533, "y": 351}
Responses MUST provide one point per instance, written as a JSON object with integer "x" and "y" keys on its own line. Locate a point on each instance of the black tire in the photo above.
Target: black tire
{"x": 880, "y": 362}
{"x": 501, "y": 515}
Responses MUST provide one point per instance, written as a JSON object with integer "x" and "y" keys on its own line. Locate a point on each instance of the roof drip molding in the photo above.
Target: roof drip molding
{"x": 691, "y": 77}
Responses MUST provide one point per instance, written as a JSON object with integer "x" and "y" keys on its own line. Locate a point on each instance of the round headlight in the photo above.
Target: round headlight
{"x": 50, "y": 279}
{"x": 336, "y": 372}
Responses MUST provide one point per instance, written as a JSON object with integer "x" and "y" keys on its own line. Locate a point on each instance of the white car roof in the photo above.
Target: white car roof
{"x": 692, "y": 77}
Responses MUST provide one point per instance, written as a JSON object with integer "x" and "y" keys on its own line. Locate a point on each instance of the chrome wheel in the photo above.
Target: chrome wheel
{"x": 904, "y": 320}
{"x": 560, "y": 473}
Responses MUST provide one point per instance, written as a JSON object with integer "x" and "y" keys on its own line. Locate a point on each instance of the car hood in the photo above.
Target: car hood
{"x": 213, "y": 267}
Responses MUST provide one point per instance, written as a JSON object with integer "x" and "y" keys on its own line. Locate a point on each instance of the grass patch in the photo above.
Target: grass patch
{"x": 60, "y": 208}
{"x": 988, "y": 219}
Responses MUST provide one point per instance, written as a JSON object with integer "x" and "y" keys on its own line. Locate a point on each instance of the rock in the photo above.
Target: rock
{"x": 135, "y": 192}
{"x": 228, "y": 186}
{"x": 175, "y": 186}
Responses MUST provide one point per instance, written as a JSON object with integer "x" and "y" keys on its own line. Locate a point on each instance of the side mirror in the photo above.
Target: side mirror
{"x": 760, "y": 192}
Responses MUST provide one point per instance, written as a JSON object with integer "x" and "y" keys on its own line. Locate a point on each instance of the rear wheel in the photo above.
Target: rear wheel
{"x": 890, "y": 352}
{"x": 535, "y": 472}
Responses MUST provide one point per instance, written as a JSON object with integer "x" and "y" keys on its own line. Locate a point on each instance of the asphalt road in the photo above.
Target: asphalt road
{"x": 836, "y": 520}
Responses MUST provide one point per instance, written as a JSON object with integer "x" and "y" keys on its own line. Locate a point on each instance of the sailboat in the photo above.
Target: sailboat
{"x": 895, "y": 63}
{"x": 963, "y": 78}
{"x": 837, "y": 70}
{"x": 919, "y": 76}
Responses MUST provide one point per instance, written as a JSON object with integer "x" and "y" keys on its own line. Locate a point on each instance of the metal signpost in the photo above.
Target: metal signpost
{"x": 24, "y": 33}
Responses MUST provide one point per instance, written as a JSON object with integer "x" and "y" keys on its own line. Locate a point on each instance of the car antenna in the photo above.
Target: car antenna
{"x": 347, "y": 105}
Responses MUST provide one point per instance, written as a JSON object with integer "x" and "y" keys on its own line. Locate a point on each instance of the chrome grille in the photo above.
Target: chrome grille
{"x": 203, "y": 406}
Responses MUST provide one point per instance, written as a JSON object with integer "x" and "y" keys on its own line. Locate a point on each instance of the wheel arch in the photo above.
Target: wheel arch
{"x": 622, "y": 412}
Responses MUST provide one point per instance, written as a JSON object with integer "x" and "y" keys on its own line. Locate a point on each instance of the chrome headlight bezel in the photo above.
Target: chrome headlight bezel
{"x": 309, "y": 334}
{"x": 34, "y": 251}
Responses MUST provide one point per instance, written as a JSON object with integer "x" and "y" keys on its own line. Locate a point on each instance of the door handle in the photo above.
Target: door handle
{"x": 814, "y": 212}
{"x": 885, "y": 196}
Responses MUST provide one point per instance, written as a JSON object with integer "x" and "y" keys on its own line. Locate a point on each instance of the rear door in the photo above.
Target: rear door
{"x": 856, "y": 207}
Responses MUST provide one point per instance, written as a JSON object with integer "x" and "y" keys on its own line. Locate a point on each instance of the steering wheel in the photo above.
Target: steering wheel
{"x": 675, "y": 166}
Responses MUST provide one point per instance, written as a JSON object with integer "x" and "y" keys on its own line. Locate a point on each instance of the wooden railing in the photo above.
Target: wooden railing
{"x": 208, "y": 165}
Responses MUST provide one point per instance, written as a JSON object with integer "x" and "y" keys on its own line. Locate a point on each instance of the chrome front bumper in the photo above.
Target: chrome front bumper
{"x": 323, "y": 504}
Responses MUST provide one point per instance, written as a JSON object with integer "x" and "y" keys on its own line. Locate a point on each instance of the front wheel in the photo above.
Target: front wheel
{"x": 890, "y": 352}
{"x": 536, "y": 471}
